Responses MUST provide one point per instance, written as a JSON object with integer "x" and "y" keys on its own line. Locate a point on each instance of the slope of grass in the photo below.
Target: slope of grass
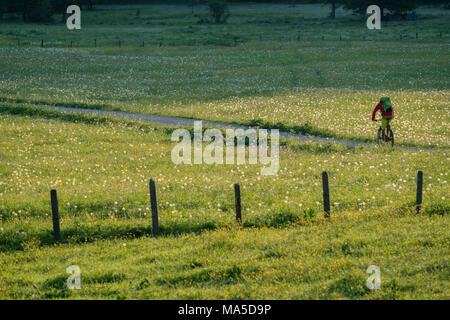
{"x": 330, "y": 85}
{"x": 313, "y": 261}
{"x": 283, "y": 250}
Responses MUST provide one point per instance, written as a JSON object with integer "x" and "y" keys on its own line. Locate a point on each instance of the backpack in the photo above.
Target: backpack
{"x": 387, "y": 105}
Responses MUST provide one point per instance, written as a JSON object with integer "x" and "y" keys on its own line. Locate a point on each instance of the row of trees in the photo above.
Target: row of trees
{"x": 43, "y": 10}
{"x": 360, "y": 6}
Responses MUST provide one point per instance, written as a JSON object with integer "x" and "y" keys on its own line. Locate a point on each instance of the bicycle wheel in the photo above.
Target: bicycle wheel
{"x": 390, "y": 136}
{"x": 380, "y": 136}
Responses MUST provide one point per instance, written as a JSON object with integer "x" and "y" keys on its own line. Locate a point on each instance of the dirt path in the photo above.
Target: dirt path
{"x": 186, "y": 122}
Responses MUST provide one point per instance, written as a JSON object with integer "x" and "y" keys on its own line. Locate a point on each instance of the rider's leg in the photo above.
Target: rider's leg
{"x": 388, "y": 126}
{"x": 384, "y": 124}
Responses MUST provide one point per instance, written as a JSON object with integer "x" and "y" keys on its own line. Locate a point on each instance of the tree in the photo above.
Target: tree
{"x": 436, "y": 2}
{"x": 219, "y": 10}
{"x": 402, "y": 6}
{"x": 88, "y": 4}
{"x": 3, "y": 7}
{"x": 396, "y": 6}
{"x": 193, "y": 3}
{"x": 333, "y": 7}
{"x": 60, "y": 7}
{"x": 33, "y": 10}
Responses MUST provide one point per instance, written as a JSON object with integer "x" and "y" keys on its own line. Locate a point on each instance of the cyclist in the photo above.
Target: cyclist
{"x": 387, "y": 113}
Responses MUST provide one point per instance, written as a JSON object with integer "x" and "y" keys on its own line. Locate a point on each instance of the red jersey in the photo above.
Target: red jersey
{"x": 383, "y": 114}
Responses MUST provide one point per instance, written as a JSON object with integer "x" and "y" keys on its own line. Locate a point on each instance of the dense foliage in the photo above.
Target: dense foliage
{"x": 397, "y": 6}
{"x": 219, "y": 10}
{"x": 43, "y": 10}
{"x": 289, "y": 70}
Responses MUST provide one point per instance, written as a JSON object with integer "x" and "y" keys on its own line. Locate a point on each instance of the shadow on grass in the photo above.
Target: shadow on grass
{"x": 96, "y": 232}
{"x": 225, "y": 275}
{"x": 20, "y": 238}
{"x": 56, "y": 288}
{"x": 91, "y": 119}
{"x": 350, "y": 286}
{"x": 433, "y": 209}
{"x": 60, "y": 104}
{"x": 304, "y": 129}
{"x": 51, "y": 114}
{"x": 101, "y": 230}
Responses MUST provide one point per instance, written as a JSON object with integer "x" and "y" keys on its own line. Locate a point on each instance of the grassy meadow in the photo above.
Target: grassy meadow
{"x": 269, "y": 76}
{"x": 280, "y": 74}
{"x": 201, "y": 253}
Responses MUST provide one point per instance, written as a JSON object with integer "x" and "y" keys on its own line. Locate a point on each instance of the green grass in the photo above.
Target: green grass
{"x": 316, "y": 261}
{"x": 285, "y": 249}
{"x": 175, "y": 25}
{"x": 329, "y": 85}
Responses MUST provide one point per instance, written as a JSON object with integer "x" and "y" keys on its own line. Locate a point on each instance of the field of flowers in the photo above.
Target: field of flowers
{"x": 178, "y": 26}
{"x": 331, "y": 85}
{"x": 280, "y": 74}
{"x": 284, "y": 249}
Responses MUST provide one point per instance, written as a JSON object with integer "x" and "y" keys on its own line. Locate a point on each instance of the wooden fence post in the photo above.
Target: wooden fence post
{"x": 154, "y": 205}
{"x": 95, "y": 43}
{"x": 237, "y": 201}
{"x": 326, "y": 194}
{"x": 419, "y": 191}
{"x": 143, "y": 44}
{"x": 71, "y": 43}
{"x": 42, "y": 43}
{"x": 417, "y": 35}
{"x": 55, "y": 215}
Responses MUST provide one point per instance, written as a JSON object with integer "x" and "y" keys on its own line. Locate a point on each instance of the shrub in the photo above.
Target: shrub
{"x": 219, "y": 10}
{"x": 33, "y": 10}
{"x": 41, "y": 11}
{"x": 2, "y": 7}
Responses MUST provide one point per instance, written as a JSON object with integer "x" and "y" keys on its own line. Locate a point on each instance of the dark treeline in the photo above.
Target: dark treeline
{"x": 190, "y": 2}
{"x": 44, "y": 10}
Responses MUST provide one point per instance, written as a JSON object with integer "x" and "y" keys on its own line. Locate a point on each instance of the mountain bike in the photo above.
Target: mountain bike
{"x": 388, "y": 137}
